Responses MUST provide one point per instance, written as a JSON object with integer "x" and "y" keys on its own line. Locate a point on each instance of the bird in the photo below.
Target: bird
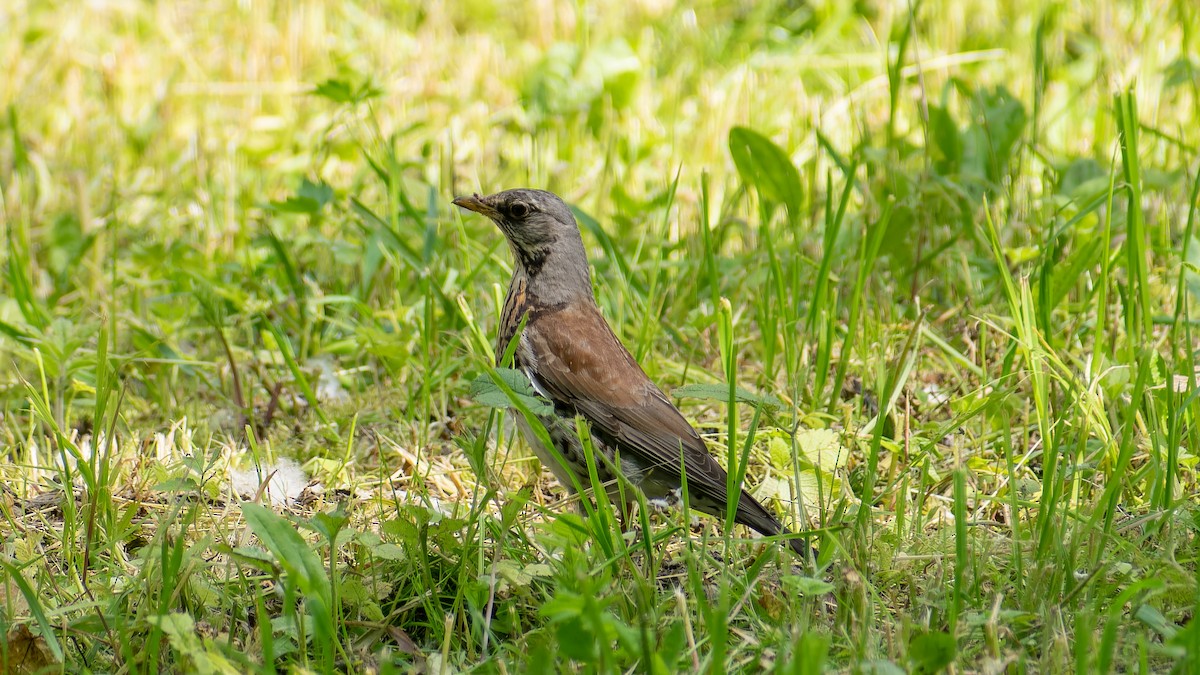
{"x": 572, "y": 357}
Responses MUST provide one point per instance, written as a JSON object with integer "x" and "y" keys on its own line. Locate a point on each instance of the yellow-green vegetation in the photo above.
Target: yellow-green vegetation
{"x": 926, "y": 271}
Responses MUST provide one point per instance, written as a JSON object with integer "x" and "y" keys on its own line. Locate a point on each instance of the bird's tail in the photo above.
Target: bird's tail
{"x": 755, "y": 516}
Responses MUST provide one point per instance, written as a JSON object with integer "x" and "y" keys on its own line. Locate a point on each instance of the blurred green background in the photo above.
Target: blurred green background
{"x": 956, "y": 240}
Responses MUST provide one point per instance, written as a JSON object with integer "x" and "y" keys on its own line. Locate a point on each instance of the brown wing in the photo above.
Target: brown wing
{"x": 582, "y": 365}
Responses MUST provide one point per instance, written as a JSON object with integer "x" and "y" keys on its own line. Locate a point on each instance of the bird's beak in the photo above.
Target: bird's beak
{"x": 478, "y": 205}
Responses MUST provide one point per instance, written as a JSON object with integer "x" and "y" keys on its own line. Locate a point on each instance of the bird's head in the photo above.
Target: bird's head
{"x": 541, "y": 232}
{"x": 532, "y": 220}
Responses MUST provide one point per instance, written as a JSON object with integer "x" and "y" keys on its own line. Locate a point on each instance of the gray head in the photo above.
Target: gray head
{"x": 544, "y": 239}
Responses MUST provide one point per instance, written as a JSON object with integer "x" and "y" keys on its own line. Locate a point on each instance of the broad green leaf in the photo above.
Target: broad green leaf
{"x": 1084, "y": 255}
{"x": 808, "y": 586}
{"x": 569, "y": 79}
{"x": 946, "y": 137}
{"x": 290, "y": 550}
{"x": 720, "y": 393}
{"x": 338, "y": 91}
{"x": 814, "y": 490}
{"x": 1082, "y": 178}
{"x": 486, "y": 392}
{"x": 822, "y": 447}
{"x": 180, "y": 628}
{"x": 1004, "y": 122}
{"x": 931, "y": 652}
{"x": 1154, "y": 619}
{"x": 510, "y": 573}
{"x": 309, "y": 199}
{"x": 344, "y": 91}
{"x": 1183, "y": 71}
{"x": 300, "y": 562}
{"x": 767, "y": 168}
{"x": 779, "y": 451}
{"x": 551, "y": 87}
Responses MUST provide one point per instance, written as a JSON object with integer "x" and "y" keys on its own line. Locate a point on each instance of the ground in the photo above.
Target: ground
{"x": 925, "y": 271}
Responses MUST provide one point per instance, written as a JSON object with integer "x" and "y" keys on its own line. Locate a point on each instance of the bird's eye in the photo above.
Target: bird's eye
{"x": 518, "y": 210}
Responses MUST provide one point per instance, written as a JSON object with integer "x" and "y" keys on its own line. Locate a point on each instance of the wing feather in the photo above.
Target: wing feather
{"x": 583, "y": 366}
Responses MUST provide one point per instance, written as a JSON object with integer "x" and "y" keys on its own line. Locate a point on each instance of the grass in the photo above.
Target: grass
{"x": 923, "y": 273}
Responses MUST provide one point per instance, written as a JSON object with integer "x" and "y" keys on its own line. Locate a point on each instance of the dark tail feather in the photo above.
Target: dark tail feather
{"x": 801, "y": 546}
{"x": 755, "y": 516}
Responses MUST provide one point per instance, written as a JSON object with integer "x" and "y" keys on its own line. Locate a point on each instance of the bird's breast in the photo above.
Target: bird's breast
{"x": 515, "y": 306}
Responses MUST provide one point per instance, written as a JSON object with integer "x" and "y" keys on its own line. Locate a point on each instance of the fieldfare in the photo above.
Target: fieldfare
{"x": 572, "y": 357}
